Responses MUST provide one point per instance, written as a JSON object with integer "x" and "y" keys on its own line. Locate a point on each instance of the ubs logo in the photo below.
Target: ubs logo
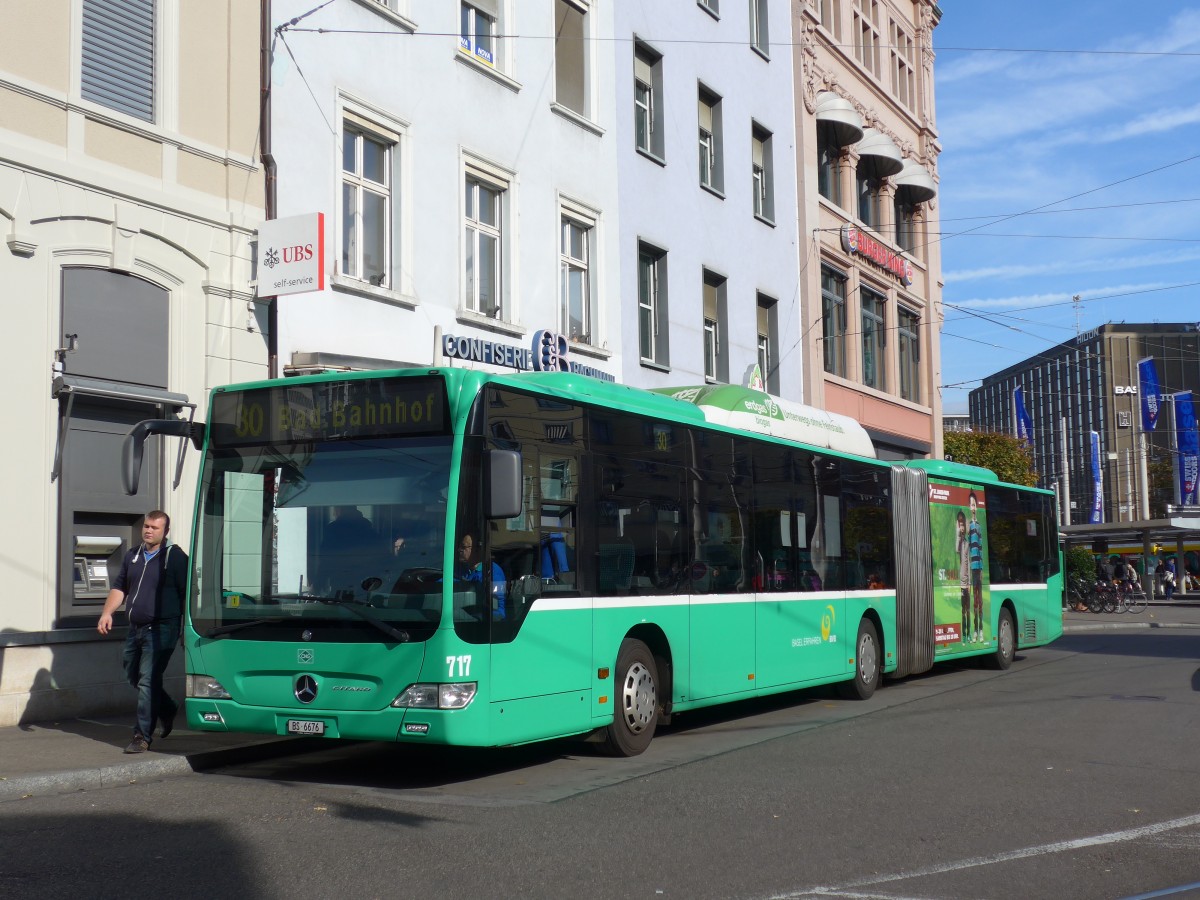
{"x": 306, "y": 689}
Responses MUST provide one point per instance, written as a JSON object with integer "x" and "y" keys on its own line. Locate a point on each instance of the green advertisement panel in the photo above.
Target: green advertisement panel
{"x": 961, "y": 601}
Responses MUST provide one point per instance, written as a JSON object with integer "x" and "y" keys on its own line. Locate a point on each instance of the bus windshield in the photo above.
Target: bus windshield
{"x": 343, "y": 536}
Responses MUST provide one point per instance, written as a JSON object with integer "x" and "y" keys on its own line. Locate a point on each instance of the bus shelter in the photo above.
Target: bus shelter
{"x": 1177, "y": 534}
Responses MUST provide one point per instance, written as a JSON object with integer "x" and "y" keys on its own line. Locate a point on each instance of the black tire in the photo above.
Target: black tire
{"x": 866, "y": 664}
{"x": 1006, "y": 641}
{"x": 1110, "y": 601}
{"x": 1095, "y": 601}
{"x": 1136, "y": 602}
{"x": 635, "y": 696}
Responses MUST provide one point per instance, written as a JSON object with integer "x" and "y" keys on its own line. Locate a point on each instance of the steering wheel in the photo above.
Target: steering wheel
{"x": 421, "y": 576}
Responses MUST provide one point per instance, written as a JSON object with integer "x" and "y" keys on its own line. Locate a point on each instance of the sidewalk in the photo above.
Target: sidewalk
{"x": 88, "y": 753}
{"x": 82, "y": 754}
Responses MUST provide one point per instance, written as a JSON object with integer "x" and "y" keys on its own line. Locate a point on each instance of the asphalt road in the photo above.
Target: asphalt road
{"x": 1073, "y": 775}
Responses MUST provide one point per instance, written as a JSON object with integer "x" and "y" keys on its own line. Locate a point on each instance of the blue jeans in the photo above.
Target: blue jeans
{"x": 148, "y": 649}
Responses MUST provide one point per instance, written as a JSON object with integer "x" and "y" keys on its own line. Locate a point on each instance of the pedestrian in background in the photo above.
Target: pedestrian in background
{"x": 152, "y": 584}
{"x": 1169, "y": 579}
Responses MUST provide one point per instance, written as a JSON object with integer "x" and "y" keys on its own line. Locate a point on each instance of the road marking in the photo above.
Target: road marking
{"x": 1114, "y": 837}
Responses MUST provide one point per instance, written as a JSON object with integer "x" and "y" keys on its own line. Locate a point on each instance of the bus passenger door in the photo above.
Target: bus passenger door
{"x": 722, "y": 598}
{"x": 541, "y": 627}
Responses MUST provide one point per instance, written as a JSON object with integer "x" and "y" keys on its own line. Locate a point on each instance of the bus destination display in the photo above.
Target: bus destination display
{"x": 337, "y": 411}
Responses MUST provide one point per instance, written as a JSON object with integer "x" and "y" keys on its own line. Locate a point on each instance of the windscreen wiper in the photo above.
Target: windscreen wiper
{"x": 359, "y": 610}
{"x": 218, "y": 630}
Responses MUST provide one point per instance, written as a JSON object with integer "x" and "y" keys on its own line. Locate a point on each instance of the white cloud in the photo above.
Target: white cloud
{"x": 1061, "y": 266}
{"x": 1035, "y": 301}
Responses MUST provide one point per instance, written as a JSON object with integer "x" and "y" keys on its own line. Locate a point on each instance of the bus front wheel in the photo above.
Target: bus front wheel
{"x": 866, "y": 664}
{"x": 636, "y": 700}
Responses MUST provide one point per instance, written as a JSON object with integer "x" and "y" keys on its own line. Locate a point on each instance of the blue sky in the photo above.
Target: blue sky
{"x": 1070, "y": 165}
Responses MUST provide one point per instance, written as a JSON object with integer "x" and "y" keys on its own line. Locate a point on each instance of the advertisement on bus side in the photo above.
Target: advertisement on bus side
{"x": 961, "y": 587}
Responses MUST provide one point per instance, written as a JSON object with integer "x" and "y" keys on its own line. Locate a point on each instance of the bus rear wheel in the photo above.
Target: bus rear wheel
{"x": 636, "y": 701}
{"x": 866, "y": 664}
{"x": 1006, "y": 641}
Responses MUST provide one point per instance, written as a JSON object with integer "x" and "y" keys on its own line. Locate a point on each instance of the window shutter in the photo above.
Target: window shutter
{"x": 643, "y": 71}
{"x": 757, "y": 150}
{"x": 706, "y": 115}
{"x": 118, "y": 55}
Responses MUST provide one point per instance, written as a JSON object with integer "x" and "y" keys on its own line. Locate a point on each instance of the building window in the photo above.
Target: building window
{"x": 652, "y": 305}
{"x": 869, "y": 191}
{"x": 831, "y": 16}
{"x": 768, "y": 329}
{"x": 716, "y": 359}
{"x": 908, "y": 331}
{"x": 874, "y": 338}
{"x": 713, "y": 7}
{"x": 829, "y": 155}
{"x": 647, "y": 101}
{"x": 904, "y": 79}
{"x": 366, "y": 219}
{"x": 117, "y": 69}
{"x": 711, "y": 162}
{"x": 833, "y": 319}
{"x": 762, "y": 173}
{"x": 907, "y": 223}
{"x": 479, "y": 32}
{"x": 866, "y": 35}
{"x": 575, "y": 290}
{"x": 483, "y": 249}
{"x": 571, "y": 55}
{"x": 760, "y": 38}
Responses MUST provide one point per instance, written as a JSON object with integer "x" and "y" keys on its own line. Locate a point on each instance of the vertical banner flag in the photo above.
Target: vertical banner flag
{"x": 1148, "y": 388}
{"x": 1097, "y": 483}
{"x": 1021, "y": 417}
{"x": 1188, "y": 442}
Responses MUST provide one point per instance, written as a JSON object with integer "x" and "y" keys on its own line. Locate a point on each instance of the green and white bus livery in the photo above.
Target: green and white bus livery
{"x": 455, "y": 557}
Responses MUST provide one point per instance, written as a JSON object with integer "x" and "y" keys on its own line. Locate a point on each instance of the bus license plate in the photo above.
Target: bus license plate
{"x": 305, "y": 726}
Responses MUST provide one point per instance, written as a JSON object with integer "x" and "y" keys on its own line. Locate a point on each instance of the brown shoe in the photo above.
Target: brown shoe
{"x": 139, "y": 744}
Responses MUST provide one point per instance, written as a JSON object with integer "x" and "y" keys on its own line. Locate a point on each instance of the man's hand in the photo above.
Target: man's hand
{"x": 104, "y": 626}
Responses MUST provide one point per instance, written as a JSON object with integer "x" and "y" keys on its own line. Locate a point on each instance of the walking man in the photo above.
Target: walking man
{"x": 152, "y": 583}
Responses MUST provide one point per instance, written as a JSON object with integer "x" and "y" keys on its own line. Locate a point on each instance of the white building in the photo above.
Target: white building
{"x": 468, "y": 180}
{"x": 129, "y": 193}
{"x": 705, "y": 132}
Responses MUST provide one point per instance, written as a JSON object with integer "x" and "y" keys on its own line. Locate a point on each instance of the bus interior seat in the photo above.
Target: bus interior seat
{"x": 616, "y": 567}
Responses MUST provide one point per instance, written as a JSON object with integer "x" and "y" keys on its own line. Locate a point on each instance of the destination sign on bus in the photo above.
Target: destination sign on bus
{"x": 329, "y": 411}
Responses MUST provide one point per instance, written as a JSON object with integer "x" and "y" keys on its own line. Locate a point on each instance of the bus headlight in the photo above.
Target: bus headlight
{"x": 455, "y": 695}
{"x": 205, "y": 687}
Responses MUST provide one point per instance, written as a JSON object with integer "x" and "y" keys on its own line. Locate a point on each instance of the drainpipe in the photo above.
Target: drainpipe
{"x": 269, "y": 169}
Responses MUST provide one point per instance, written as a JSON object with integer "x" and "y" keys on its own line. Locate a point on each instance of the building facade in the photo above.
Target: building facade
{"x": 1090, "y": 384}
{"x": 867, "y": 151}
{"x": 709, "y": 277}
{"x": 469, "y": 196}
{"x": 129, "y": 193}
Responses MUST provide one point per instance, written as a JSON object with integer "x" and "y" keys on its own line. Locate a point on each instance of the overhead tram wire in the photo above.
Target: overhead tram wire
{"x": 290, "y": 26}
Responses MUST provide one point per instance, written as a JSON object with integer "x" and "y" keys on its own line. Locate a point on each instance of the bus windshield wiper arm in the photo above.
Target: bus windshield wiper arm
{"x": 219, "y": 630}
{"x": 358, "y": 610}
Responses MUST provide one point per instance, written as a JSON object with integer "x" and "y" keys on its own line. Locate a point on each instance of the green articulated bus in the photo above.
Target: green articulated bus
{"x": 450, "y": 556}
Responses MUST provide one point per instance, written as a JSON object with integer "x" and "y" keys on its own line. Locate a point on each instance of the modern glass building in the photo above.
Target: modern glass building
{"x": 1090, "y": 384}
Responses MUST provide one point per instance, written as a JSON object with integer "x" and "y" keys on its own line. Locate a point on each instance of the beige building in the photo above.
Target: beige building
{"x": 870, "y": 258}
{"x": 129, "y": 192}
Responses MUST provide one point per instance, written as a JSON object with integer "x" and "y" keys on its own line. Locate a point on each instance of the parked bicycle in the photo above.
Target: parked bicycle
{"x": 1130, "y": 597}
{"x": 1078, "y": 592}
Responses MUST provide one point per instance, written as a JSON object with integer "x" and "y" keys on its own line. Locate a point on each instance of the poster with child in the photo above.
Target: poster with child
{"x": 961, "y": 605}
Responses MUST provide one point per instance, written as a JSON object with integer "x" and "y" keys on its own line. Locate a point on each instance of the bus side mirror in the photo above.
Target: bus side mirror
{"x": 131, "y": 450}
{"x": 503, "y": 495}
